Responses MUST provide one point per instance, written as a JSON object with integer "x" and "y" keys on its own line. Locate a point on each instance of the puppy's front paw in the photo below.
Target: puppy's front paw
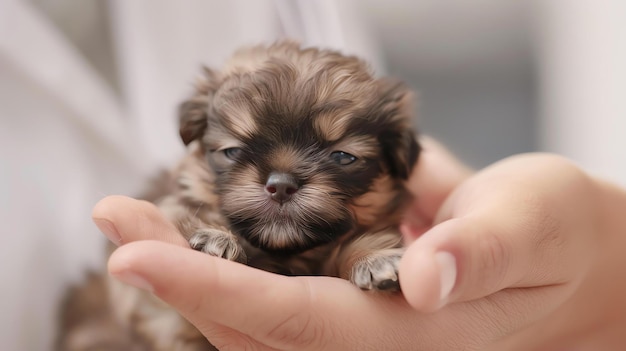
{"x": 378, "y": 271}
{"x": 218, "y": 243}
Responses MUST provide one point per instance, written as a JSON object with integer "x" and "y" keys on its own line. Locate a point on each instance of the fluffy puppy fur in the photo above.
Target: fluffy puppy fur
{"x": 296, "y": 165}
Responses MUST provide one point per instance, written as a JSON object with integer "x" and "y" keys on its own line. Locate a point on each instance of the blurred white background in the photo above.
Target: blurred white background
{"x": 88, "y": 92}
{"x": 503, "y": 77}
{"x": 473, "y": 65}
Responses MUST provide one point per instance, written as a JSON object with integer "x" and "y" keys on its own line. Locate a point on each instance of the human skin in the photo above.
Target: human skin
{"x": 530, "y": 250}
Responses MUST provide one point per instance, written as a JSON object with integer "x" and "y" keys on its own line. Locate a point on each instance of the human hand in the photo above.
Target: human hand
{"x": 533, "y": 227}
{"x": 519, "y": 251}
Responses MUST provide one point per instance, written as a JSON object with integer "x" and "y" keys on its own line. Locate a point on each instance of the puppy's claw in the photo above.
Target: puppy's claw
{"x": 389, "y": 285}
{"x": 218, "y": 243}
{"x": 378, "y": 271}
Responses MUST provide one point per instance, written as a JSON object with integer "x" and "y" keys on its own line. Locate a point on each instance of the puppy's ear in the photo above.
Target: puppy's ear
{"x": 402, "y": 152}
{"x": 193, "y": 113}
{"x": 399, "y": 143}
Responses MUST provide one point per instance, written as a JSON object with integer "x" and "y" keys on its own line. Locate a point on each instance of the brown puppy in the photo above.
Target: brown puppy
{"x": 301, "y": 154}
{"x": 296, "y": 165}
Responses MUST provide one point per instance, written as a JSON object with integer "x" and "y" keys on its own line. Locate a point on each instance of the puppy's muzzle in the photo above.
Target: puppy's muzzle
{"x": 281, "y": 186}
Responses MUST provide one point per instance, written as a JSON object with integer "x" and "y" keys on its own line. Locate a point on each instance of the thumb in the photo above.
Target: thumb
{"x": 520, "y": 224}
{"x": 468, "y": 258}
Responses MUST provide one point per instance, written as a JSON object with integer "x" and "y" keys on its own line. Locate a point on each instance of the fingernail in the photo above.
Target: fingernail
{"x": 109, "y": 230}
{"x": 447, "y": 275}
{"x": 134, "y": 280}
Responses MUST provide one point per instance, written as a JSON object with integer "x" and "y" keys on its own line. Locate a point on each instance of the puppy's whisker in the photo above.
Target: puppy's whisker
{"x": 195, "y": 214}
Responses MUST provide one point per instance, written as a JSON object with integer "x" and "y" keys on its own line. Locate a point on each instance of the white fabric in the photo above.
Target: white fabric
{"x": 68, "y": 139}
{"x": 582, "y": 56}
{"x": 64, "y": 145}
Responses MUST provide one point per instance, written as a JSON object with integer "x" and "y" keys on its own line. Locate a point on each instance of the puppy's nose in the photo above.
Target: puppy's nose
{"x": 281, "y": 186}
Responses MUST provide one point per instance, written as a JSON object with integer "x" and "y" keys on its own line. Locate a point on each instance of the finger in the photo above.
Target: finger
{"x": 240, "y": 307}
{"x": 202, "y": 287}
{"x": 123, "y": 219}
{"x": 510, "y": 227}
{"x": 269, "y": 310}
{"x": 437, "y": 173}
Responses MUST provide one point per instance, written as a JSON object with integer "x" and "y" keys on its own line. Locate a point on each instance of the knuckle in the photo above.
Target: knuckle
{"x": 563, "y": 173}
{"x": 240, "y": 344}
{"x": 226, "y": 339}
{"x": 544, "y": 227}
{"x": 494, "y": 258}
{"x": 294, "y": 330}
{"x": 302, "y": 329}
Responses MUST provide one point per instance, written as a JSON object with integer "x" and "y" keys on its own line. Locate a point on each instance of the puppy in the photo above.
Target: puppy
{"x": 297, "y": 162}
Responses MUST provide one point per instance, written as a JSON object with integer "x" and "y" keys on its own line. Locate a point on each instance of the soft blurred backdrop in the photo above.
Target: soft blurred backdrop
{"x": 472, "y": 63}
{"x": 88, "y": 92}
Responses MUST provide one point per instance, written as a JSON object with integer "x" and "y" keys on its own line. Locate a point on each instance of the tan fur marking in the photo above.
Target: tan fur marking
{"x": 332, "y": 126}
{"x": 239, "y": 120}
{"x": 318, "y": 199}
{"x": 367, "y": 207}
{"x": 285, "y": 159}
{"x": 249, "y": 196}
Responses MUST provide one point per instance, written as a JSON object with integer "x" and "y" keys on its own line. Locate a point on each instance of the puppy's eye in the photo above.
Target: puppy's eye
{"x": 232, "y": 153}
{"x": 342, "y": 158}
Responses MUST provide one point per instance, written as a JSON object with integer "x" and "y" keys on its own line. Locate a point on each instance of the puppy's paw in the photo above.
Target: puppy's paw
{"x": 218, "y": 243}
{"x": 378, "y": 271}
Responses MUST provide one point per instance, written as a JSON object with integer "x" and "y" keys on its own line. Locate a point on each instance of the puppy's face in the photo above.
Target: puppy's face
{"x": 306, "y": 146}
